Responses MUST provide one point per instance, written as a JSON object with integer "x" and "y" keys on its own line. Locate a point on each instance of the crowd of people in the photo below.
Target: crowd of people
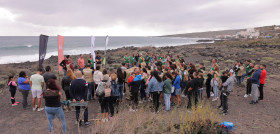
{"x": 160, "y": 78}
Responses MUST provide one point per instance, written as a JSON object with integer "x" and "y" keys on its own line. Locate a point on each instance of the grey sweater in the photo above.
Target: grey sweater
{"x": 229, "y": 83}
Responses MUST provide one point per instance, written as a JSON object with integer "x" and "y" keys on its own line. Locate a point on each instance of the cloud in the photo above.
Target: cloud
{"x": 137, "y": 17}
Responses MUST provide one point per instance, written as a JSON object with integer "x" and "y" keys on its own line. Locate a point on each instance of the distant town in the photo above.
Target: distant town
{"x": 254, "y": 33}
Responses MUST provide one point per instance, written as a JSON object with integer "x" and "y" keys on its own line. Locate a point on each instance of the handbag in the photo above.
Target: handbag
{"x": 108, "y": 92}
{"x": 100, "y": 91}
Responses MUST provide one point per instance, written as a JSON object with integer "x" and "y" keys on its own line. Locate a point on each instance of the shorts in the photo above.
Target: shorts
{"x": 36, "y": 93}
{"x": 177, "y": 91}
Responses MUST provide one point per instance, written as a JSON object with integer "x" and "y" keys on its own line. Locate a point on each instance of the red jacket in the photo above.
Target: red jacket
{"x": 263, "y": 76}
{"x": 130, "y": 79}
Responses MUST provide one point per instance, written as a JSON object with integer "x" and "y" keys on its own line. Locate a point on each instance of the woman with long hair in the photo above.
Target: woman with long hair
{"x": 53, "y": 107}
{"x": 120, "y": 81}
{"x": 155, "y": 88}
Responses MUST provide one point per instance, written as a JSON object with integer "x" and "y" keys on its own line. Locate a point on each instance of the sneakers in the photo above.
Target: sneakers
{"x": 212, "y": 94}
{"x": 40, "y": 109}
{"x": 140, "y": 102}
{"x": 249, "y": 94}
{"x": 15, "y": 104}
{"x": 246, "y": 95}
{"x": 215, "y": 99}
{"x": 254, "y": 102}
{"x": 184, "y": 96}
{"x": 87, "y": 123}
{"x": 34, "y": 109}
{"x": 105, "y": 120}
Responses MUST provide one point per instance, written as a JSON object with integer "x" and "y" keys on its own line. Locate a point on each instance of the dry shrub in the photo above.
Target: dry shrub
{"x": 200, "y": 120}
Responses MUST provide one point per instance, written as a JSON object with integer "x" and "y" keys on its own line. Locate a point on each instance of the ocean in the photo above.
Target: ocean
{"x": 17, "y": 49}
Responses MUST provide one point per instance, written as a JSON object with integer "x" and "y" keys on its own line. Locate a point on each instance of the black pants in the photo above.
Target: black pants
{"x": 142, "y": 91}
{"x": 104, "y": 104}
{"x": 67, "y": 94}
{"x": 225, "y": 101}
{"x": 155, "y": 96}
{"x": 249, "y": 86}
{"x": 134, "y": 99}
{"x": 24, "y": 97}
{"x": 114, "y": 104}
{"x": 78, "y": 113}
{"x": 261, "y": 91}
{"x": 95, "y": 87}
{"x": 208, "y": 89}
{"x": 13, "y": 93}
{"x": 192, "y": 95}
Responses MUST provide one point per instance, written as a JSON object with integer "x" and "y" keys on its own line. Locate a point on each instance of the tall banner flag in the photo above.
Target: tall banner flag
{"x": 60, "y": 43}
{"x": 42, "y": 49}
{"x": 106, "y": 44}
{"x": 92, "y": 49}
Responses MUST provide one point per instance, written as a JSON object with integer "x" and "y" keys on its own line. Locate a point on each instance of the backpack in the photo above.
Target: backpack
{"x": 100, "y": 91}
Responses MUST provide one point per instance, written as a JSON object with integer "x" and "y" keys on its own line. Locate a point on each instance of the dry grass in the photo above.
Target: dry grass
{"x": 200, "y": 120}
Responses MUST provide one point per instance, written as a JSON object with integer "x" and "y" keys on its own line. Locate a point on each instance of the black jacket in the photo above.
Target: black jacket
{"x": 65, "y": 83}
{"x": 78, "y": 89}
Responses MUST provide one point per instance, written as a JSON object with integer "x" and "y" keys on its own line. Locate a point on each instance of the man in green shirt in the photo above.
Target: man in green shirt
{"x": 91, "y": 62}
{"x": 249, "y": 83}
{"x": 147, "y": 59}
{"x": 132, "y": 60}
{"x": 126, "y": 59}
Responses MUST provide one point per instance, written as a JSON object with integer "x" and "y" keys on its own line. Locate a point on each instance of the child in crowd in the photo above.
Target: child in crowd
{"x": 13, "y": 88}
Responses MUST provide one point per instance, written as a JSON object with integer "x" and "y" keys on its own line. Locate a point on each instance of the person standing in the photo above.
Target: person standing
{"x": 155, "y": 87}
{"x": 135, "y": 86}
{"x": 262, "y": 80}
{"x": 64, "y": 63}
{"x": 239, "y": 73}
{"x": 255, "y": 79}
{"x": 192, "y": 91}
{"x": 81, "y": 63}
{"x": 249, "y": 83}
{"x": 247, "y": 64}
{"x": 91, "y": 62}
{"x": 48, "y": 75}
{"x": 132, "y": 60}
{"x": 147, "y": 59}
{"x": 66, "y": 82}
{"x": 97, "y": 77}
{"x": 126, "y": 58}
{"x": 12, "y": 88}
{"x": 88, "y": 75}
{"x": 37, "y": 84}
{"x": 98, "y": 60}
{"x": 228, "y": 86}
{"x": 53, "y": 107}
{"x": 137, "y": 59}
{"x": 167, "y": 88}
{"x": 120, "y": 80}
{"x": 24, "y": 88}
{"x": 176, "y": 85}
{"x": 78, "y": 93}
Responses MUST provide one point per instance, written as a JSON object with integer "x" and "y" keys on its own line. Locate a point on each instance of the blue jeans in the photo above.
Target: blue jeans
{"x": 200, "y": 91}
{"x": 51, "y": 112}
{"x": 167, "y": 101}
{"x": 90, "y": 90}
{"x": 243, "y": 77}
{"x": 216, "y": 92}
{"x": 120, "y": 87}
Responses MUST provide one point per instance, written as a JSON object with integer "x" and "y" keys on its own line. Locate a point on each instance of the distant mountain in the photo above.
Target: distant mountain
{"x": 208, "y": 34}
{"x": 265, "y": 30}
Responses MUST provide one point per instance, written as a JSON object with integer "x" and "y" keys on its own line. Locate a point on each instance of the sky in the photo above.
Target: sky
{"x": 132, "y": 17}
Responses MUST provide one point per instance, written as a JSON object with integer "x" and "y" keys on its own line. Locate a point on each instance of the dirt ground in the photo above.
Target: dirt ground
{"x": 262, "y": 118}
